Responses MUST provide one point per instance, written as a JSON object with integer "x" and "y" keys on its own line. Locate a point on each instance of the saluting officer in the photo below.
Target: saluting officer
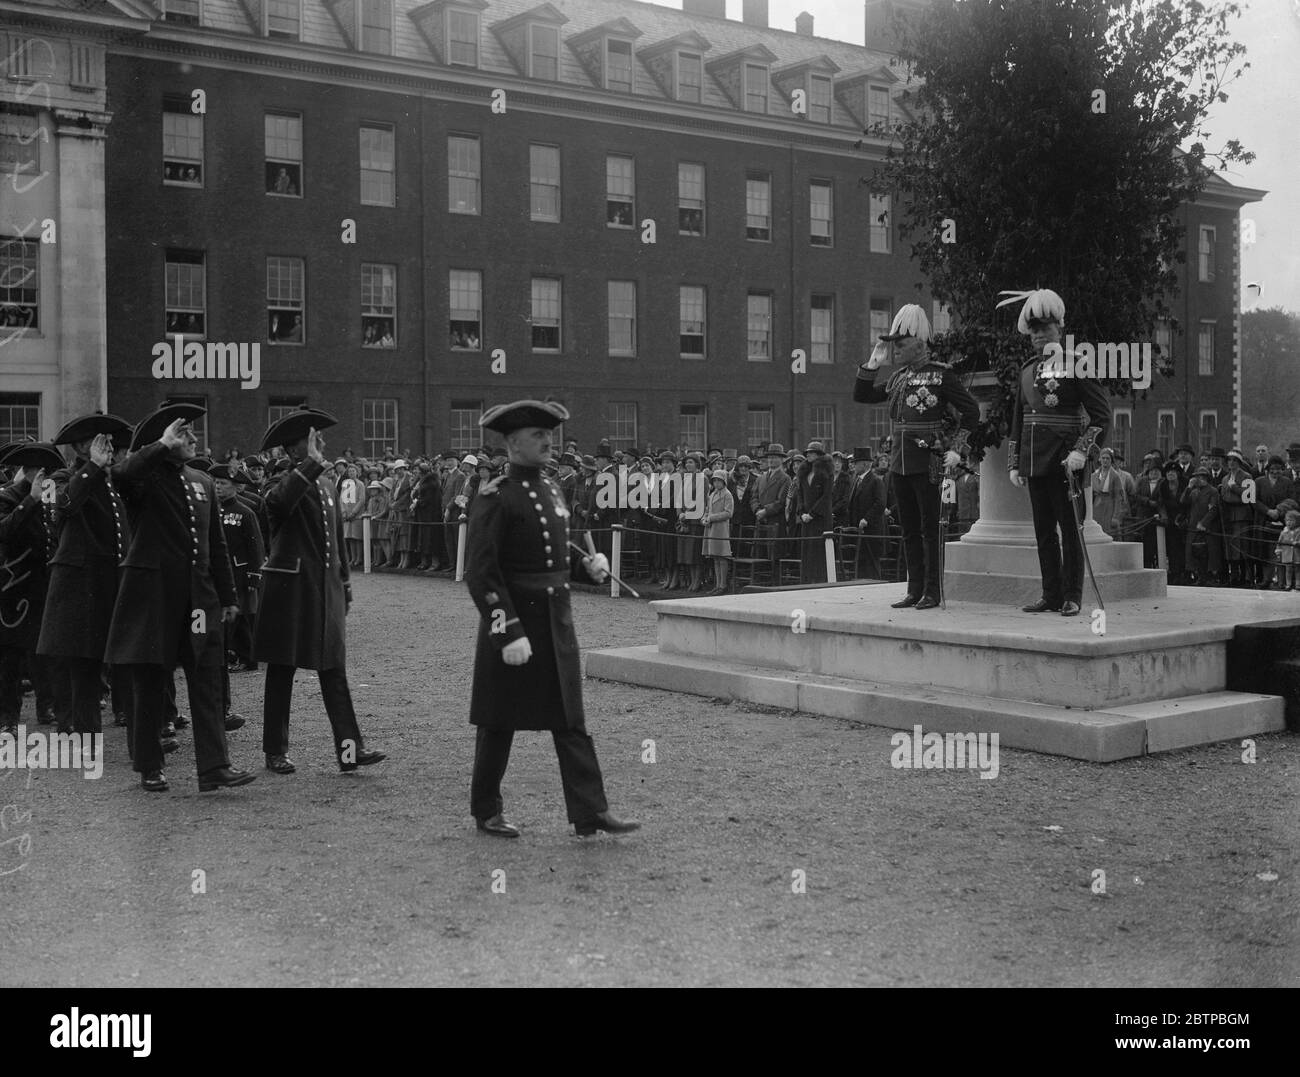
{"x": 306, "y": 594}
{"x": 920, "y": 395}
{"x": 27, "y": 539}
{"x": 175, "y": 594}
{"x": 94, "y": 534}
{"x": 1046, "y": 432}
{"x": 527, "y": 669}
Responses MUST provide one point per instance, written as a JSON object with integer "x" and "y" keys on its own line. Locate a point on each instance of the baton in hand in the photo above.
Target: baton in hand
{"x": 591, "y": 552}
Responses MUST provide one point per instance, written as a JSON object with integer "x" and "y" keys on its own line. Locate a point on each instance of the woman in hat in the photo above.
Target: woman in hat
{"x": 665, "y": 521}
{"x": 1109, "y": 499}
{"x": 1237, "y": 513}
{"x": 690, "y": 530}
{"x": 377, "y": 510}
{"x": 400, "y": 515}
{"x": 1204, "y": 553}
{"x": 1146, "y": 509}
{"x": 815, "y": 483}
{"x": 1171, "y": 517}
{"x": 352, "y": 498}
{"x": 717, "y": 528}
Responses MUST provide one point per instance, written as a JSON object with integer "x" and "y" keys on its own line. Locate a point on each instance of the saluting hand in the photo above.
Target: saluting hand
{"x": 172, "y": 436}
{"x": 101, "y": 450}
{"x": 315, "y": 443}
{"x": 517, "y": 652}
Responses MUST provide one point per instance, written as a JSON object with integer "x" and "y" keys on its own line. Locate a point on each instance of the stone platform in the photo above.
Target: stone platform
{"x": 1153, "y": 682}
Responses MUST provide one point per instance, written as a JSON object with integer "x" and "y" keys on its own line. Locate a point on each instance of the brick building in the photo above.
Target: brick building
{"x": 410, "y": 212}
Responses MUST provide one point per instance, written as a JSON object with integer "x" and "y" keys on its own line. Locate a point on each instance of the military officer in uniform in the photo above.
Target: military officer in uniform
{"x": 175, "y": 594}
{"x": 244, "y": 540}
{"x": 527, "y": 672}
{"x": 920, "y": 394}
{"x": 94, "y": 534}
{"x": 306, "y": 594}
{"x": 1046, "y": 433}
{"x": 27, "y": 539}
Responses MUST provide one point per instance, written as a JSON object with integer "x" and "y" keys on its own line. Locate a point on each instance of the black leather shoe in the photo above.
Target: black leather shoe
{"x": 1041, "y": 606}
{"x": 181, "y": 721}
{"x": 905, "y": 603}
{"x": 169, "y": 745}
{"x": 119, "y": 719}
{"x": 281, "y": 764}
{"x": 46, "y": 717}
{"x": 234, "y": 721}
{"x": 1070, "y": 609}
{"x": 168, "y": 730}
{"x": 154, "y": 782}
{"x": 928, "y": 602}
{"x": 498, "y": 827}
{"x": 365, "y": 758}
{"x": 605, "y": 821}
{"x": 224, "y": 778}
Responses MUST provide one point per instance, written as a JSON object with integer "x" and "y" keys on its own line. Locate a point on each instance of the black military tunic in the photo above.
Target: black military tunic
{"x": 517, "y": 571}
{"x": 919, "y": 396}
{"x": 1046, "y": 424}
{"x": 94, "y": 535}
{"x": 27, "y": 539}
{"x": 244, "y": 540}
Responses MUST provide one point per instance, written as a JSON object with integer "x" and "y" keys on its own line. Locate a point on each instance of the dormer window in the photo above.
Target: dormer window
{"x": 618, "y": 65}
{"x": 376, "y": 26}
{"x": 462, "y": 37}
{"x": 819, "y": 99}
{"x": 878, "y": 110}
{"x": 183, "y": 11}
{"x": 543, "y": 52}
{"x": 690, "y": 77}
{"x": 756, "y": 83}
{"x": 283, "y": 19}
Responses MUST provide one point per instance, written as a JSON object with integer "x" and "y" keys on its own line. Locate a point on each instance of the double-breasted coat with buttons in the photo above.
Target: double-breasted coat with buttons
{"x": 517, "y": 568}
{"x": 26, "y": 541}
{"x": 1046, "y": 423}
{"x": 305, "y": 581}
{"x": 919, "y": 395}
{"x": 94, "y": 534}
{"x": 176, "y": 566}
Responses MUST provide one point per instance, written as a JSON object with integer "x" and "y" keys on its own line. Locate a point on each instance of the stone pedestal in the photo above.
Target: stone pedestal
{"x": 997, "y": 560}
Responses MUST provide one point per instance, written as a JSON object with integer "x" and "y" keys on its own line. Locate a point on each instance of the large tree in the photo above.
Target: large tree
{"x": 1054, "y": 144}
{"x": 1270, "y": 377}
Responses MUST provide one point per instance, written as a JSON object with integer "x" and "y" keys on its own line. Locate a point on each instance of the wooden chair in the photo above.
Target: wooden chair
{"x": 747, "y": 570}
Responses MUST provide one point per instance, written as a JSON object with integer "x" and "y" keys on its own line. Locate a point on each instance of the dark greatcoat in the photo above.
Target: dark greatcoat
{"x": 94, "y": 535}
{"x": 27, "y": 538}
{"x": 244, "y": 540}
{"x": 813, "y": 483}
{"x": 177, "y": 564}
{"x": 519, "y": 527}
{"x": 305, "y": 582}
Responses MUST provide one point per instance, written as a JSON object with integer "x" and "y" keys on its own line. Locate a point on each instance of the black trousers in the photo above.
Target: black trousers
{"x": 1060, "y": 561}
{"x": 584, "y": 788}
{"x": 918, "y": 513}
{"x": 79, "y": 684}
{"x": 239, "y": 639}
{"x": 14, "y": 663}
{"x": 149, "y": 685}
{"x": 334, "y": 693}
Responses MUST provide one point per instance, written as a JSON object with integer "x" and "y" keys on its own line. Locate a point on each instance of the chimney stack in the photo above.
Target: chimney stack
{"x": 714, "y": 9}
{"x": 755, "y": 13}
{"x": 803, "y": 24}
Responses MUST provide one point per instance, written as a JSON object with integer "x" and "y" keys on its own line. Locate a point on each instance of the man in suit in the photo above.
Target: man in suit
{"x": 769, "y": 499}
{"x": 27, "y": 539}
{"x": 866, "y": 512}
{"x": 175, "y": 595}
{"x": 527, "y": 668}
{"x": 452, "y": 486}
{"x": 1218, "y": 465}
{"x": 306, "y": 595}
{"x": 743, "y": 483}
{"x": 920, "y": 392}
{"x": 1046, "y": 433}
{"x": 94, "y": 534}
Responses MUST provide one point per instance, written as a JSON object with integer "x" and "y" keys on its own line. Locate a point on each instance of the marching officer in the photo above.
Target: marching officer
{"x": 27, "y": 538}
{"x": 175, "y": 594}
{"x": 94, "y": 535}
{"x": 920, "y": 394}
{"x": 1046, "y": 433}
{"x": 527, "y": 670}
{"x": 306, "y": 594}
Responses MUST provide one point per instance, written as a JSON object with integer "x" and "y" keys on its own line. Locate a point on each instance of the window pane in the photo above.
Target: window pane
{"x": 377, "y": 165}
{"x": 823, "y": 329}
{"x": 182, "y": 143}
{"x": 878, "y": 107}
{"x": 693, "y": 426}
{"x": 620, "y": 191}
{"x": 758, "y": 207}
{"x": 378, "y": 426}
{"x": 544, "y": 181}
{"x": 820, "y": 210}
{"x": 20, "y": 277}
{"x": 821, "y": 424}
{"x": 881, "y": 233}
{"x": 546, "y": 52}
{"x": 819, "y": 99}
{"x": 184, "y": 293}
{"x": 463, "y": 429}
{"x": 1165, "y": 433}
{"x": 1209, "y": 430}
{"x": 618, "y": 69}
{"x": 759, "y": 425}
{"x": 282, "y": 18}
{"x": 378, "y": 306}
{"x": 283, "y": 154}
{"x": 1122, "y": 434}
{"x": 622, "y": 317}
{"x": 462, "y": 35}
{"x": 1205, "y": 348}
{"x": 546, "y": 314}
{"x": 759, "y": 321}
{"x": 466, "y": 323}
{"x": 755, "y": 88}
{"x": 691, "y": 302}
{"x": 284, "y": 301}
{"x": 462, "y": 175}
{"x": 690, "y": 76}
{"x": 377, "y": 25}
{"x": 690, "y": 199}
{"x": 622, "y": 432}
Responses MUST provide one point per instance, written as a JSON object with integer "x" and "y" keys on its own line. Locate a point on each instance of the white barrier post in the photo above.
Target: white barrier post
{"x": 1162, "y": 559}
{"x": 460, "y": 549}
{"x": 365, "y": 544}
{"x": 616, "y": 567}
{"x": 831, "y": 574}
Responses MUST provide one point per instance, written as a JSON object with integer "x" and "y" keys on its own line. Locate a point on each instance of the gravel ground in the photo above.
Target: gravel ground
{"x": 912, "y": 877}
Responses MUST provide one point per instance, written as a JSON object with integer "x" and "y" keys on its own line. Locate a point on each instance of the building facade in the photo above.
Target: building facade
{"x": 404, "y": 213}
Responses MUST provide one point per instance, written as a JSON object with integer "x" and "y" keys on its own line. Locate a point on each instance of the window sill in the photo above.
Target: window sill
{"x": 286, "y": 343}
{"x": 467, "y": 351}
{"x": 182, "y": 183}
{"x": 621, "y": 227}
{"x": 380, "y": 347}
{"x": 379, "y": 205}
{"x": 278, "y": 194}
{"x": 7, "y": 333}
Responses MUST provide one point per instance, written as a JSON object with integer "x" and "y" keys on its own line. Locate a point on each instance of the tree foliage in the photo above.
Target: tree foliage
{"x": 1045, "y": 189}
{"x": 1270, "y": 376}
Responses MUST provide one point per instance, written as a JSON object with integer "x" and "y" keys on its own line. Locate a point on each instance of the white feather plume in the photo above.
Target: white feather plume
{"x": 1040, "y": 303}
{"x": 911, "y": 320}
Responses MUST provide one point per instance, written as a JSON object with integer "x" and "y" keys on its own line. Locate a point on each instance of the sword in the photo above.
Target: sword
{"x": 592, "y": 553}
{"x": 1076, "y": 495}
{"x": 943, "y": 527}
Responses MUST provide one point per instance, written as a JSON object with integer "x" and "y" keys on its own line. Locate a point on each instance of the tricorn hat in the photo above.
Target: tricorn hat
{"x": 291, "y": 428}
{"x": 507, "y": 418}
{"x": 201, "y": 463}
{"x": 219, "y": 471}
{"x": 32, "y": 454}
{"x": 85, "y": 427}
{"x": 151, "y": 427}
